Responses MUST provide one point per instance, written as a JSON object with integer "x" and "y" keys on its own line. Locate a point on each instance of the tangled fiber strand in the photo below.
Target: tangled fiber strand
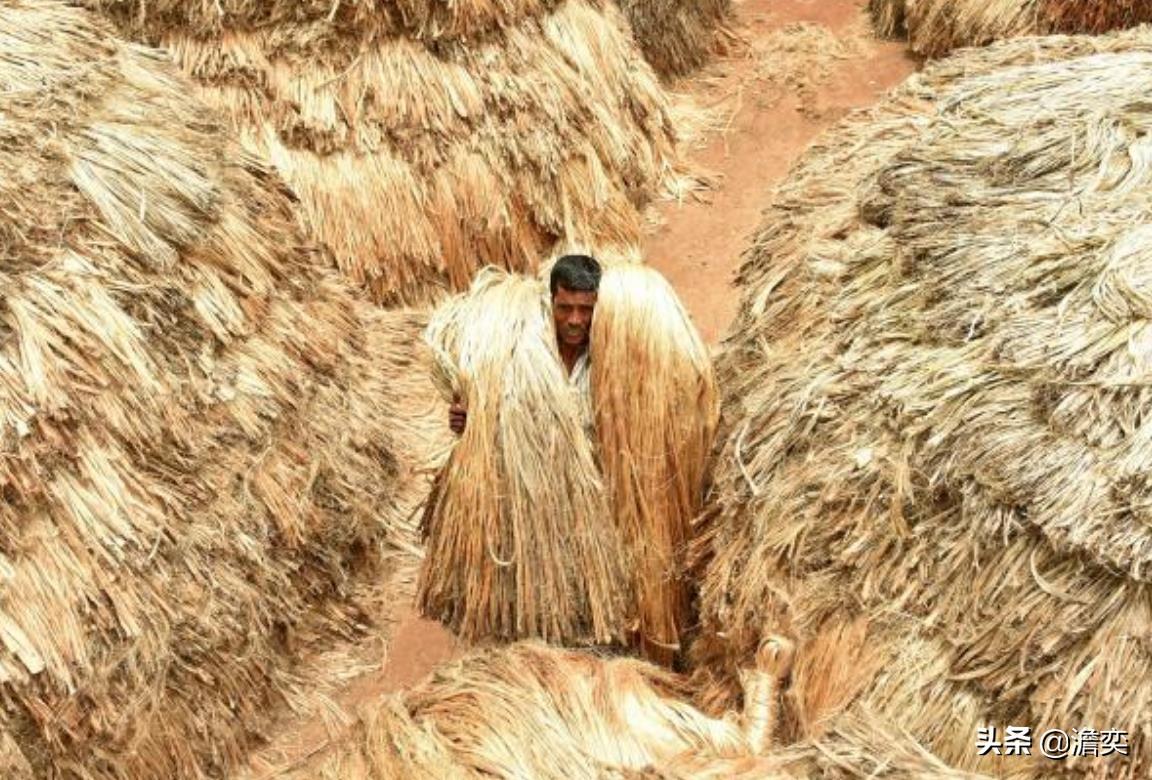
{"x": 655, "y": 406}
{"x": 889, "y": 17}
{"x": 936, "y": 469}
{"x": 936, "y": 28}
{"x": 520, "y": 540}
{"x": 1085, "y": 16}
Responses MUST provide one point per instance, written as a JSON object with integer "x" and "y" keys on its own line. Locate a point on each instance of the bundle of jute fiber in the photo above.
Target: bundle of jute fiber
{"x": 200, "y": 459}
{"x": 936, "y": 27}
{"x": 677, "y": 36}
{"x": 655, "y": 408}
{"x": 529, "y": 711}
{"x": 936, "y": 466}
{"x": 889, "y": 17}
{"x": 425, "y": 20}
{"x": 428, "y": 139}
{"x": 520, "y": 540}
{"x": 1086, "y": 16}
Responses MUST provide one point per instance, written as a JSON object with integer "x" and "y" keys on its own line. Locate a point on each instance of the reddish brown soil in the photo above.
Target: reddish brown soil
{"x": 416, "y": 647}
{"x": 698, "y": 249}
{"x": 700, "y": 245}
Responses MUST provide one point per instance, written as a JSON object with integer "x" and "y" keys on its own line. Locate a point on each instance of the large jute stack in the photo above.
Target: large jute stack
{"x": 520, "y": 540}
{"x": 529, "y": 711}
{"x": 938, "y": 461}
{"x": 655, "y": 409}
{"x": 676, "y": 36}
{"x": 428, "y": 139}
{"x": 203, "y": 453}
{"x": 936, "y": 27}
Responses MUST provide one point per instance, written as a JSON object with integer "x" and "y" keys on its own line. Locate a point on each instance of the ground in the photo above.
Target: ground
{"x": 699, "y": 246}
{"x": 794, "y": 68}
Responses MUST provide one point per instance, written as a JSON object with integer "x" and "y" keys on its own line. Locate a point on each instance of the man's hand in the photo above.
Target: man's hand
{"x": 457, "y": 417}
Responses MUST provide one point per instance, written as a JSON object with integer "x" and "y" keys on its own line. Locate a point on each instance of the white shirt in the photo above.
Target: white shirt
{"x": 581, "y": 372}
{"x": 580, "y": 383}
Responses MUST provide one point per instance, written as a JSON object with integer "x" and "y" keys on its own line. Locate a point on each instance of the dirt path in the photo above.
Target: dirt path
{"x": 803, "y": 64}
{"x": 415, "y": 648}
{"x": 777, "y": 104}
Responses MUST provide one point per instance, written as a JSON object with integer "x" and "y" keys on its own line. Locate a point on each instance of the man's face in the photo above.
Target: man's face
{"x": 572, "y": 312}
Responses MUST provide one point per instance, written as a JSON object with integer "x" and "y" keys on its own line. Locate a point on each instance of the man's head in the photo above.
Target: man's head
{"x": 574, "y": 282}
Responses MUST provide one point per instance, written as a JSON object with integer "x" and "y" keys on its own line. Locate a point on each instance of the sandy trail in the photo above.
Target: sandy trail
{"x": 774, "y": 101}
{"x": 700, "y": 244}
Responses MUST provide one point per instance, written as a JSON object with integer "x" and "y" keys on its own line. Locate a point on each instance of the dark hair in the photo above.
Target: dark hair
{"x": 578, "y": 273}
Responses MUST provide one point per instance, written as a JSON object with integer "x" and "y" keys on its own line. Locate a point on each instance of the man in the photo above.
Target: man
{"x": 574, "y": 283}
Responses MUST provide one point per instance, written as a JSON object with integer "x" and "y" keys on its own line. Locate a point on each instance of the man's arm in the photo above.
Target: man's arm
{"x": 457, "y": 417}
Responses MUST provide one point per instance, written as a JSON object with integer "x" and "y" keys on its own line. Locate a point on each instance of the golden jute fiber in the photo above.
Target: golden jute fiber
{"x": 937, "y": 27}
{"x": 206, "y": 436}
{"x": 529, "y": 711}
{"x": 676, "y": 36}
{"x": 521, "y": 543}
{"x": 564, "y": 510}
{"x": 936, "y": 460}
{"x": 426, "y": 140}
{"x": 655, "y": 404}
